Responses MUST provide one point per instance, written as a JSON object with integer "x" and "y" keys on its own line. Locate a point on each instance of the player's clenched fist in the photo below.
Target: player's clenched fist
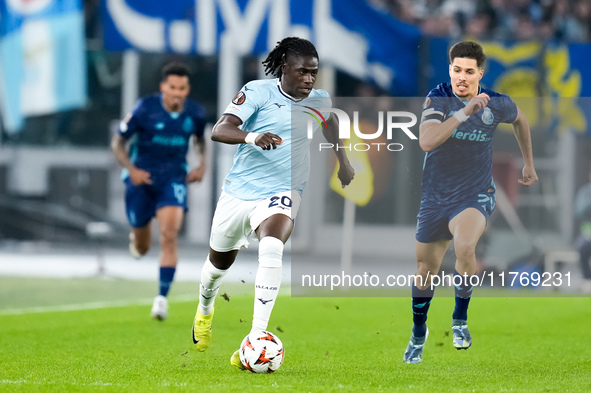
{"x": 346, "y": 174}
{"x": 139, "y": 177}
{"x": 477, "y": 103}
{"x": 529, "y": 176}
{"x": 268, "y": 141}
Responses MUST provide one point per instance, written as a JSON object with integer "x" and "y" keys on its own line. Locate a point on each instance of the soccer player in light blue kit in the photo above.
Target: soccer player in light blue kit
{"x": 155, "y": 169}
{"x": 457, "y": 127}
{"x": 262, "y": 192}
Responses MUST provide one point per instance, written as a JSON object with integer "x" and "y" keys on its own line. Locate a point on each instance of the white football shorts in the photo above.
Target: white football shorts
{"x": 235, "y": 220}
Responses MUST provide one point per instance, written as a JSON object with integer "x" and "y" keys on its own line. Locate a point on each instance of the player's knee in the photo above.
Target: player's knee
{"x": 270, "y": 252}
{"x": 422, "y": 278}
{"x": 465, "y": 250}
{"x": 168, "y": 237}
{"x": 423, "y": 272}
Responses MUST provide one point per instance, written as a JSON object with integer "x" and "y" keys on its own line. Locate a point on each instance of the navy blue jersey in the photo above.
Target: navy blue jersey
{"x": 161, "y": 137}
{"x": 461, "y": 167}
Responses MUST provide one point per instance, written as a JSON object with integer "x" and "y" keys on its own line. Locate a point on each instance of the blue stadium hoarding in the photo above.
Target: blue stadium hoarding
{"x": 349, "y": 34}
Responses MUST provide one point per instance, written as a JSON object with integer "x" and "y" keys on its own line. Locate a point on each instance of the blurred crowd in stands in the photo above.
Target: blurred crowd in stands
{"x": 524, "y": 20}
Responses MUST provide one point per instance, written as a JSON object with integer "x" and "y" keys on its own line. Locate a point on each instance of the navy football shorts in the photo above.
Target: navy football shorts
{"x": 142, "y": 202}
{"x": 433, "y": 218}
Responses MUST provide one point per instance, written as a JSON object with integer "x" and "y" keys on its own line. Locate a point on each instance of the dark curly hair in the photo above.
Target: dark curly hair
{"x": 288, "y": 46}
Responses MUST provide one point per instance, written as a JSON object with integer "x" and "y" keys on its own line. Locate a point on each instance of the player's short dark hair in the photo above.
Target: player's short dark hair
{"x": 290, "y": 46}
{"x": 175, "y": 68}
{"x": 468, "y": 49}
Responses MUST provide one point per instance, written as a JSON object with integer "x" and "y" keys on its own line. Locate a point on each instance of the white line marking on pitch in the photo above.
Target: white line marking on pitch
{"x": 91, "y": 306}
{"x": 24, "y": 381}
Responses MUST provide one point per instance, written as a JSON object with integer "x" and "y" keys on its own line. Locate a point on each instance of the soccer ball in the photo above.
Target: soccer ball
{"x": 261, "y": 353}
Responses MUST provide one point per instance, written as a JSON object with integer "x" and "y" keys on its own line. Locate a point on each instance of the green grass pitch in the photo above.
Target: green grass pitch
{"x": 332, "y": 345}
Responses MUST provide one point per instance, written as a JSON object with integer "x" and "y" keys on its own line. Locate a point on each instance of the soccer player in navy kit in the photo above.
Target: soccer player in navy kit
{"x": 457, "y": 126}
{"x": 262, "y": 192}
{"x": 155, "y": 169}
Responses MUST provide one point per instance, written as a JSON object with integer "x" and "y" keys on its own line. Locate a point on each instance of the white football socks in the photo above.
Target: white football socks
{"x": 267, "y": 281}
{"x": 211, "y": 278}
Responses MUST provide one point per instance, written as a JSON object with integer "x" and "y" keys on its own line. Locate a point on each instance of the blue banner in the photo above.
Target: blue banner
{"x": 349, "y": 34}
{"x": 392, "y": 46}
{"x": 42, "y": 64}
{"x": 580, "y": 55}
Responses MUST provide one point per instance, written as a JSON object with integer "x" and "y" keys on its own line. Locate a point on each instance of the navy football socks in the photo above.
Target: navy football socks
{"x": 166, "y": 277}
{"x": 463, "y": 293}
{"x": 421, "y": 300}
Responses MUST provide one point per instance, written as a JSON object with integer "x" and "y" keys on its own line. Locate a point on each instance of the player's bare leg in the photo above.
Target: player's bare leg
{"x": 467, "y": 228}
{"x": 170, "y": 219}
{"x": 279, "y": 226}
{"x": 429, "y": 258}
{"x": 222, "y": 260}
{"x": 140, "y": 240}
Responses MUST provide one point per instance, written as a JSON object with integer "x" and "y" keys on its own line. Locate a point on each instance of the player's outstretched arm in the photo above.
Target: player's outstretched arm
{"x": 226, "y": 131}
{"x": 197, "y": 174}
{"x": 523, "y": 135}
{"x": 431, "y": 135}
{"x": 119, "y": 148}
{"x": 346, "y": 172}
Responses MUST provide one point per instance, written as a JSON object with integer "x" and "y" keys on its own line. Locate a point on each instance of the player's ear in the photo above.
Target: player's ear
{"x": 450, "y": 70}
{"x": 481, "y": 72}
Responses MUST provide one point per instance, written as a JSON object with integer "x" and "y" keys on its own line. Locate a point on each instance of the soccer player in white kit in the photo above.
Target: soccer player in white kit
{"x": 262, "y": 192}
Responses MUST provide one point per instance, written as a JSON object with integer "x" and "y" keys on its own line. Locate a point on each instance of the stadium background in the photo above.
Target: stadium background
{"x": 70, "y": 70}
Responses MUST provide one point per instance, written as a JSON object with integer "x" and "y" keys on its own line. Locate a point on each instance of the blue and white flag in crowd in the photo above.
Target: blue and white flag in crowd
{"x": 42, "y": 58}
{"x": 349, "y": 34}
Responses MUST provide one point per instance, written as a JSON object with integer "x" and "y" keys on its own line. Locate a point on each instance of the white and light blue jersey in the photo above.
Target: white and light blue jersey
{"x": 264, "y": 107}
